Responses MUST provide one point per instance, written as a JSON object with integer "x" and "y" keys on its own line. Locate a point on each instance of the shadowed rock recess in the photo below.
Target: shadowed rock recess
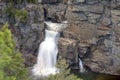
{"x": 93, "y": 32}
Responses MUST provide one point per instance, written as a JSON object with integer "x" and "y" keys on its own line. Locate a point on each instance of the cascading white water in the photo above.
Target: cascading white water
{"x": 48, "y": 50}
{"x": 47, "y": 55}
{"x": 81, "y": 65}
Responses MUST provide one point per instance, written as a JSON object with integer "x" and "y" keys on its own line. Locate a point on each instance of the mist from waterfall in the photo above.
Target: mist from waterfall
{"x": 47, "y": 55}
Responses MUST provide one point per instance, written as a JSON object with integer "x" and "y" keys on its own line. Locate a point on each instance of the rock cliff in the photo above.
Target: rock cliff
{"x": 93, "y": 32}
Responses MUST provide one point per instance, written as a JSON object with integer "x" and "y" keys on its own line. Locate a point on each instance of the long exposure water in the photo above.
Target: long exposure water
{"x": 47, "y": 55}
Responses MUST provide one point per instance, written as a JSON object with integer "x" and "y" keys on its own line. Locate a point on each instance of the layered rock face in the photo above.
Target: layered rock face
{"x": 2, "y": 13}
{"x": 93, "y": 32}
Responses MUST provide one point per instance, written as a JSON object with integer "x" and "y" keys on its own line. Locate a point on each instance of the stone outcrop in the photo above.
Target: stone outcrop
{"x": 93, "y": 32}
{"x": 68, "y": 47}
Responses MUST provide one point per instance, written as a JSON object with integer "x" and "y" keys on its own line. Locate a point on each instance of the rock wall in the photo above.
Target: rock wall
{"x": 93, "y": 32}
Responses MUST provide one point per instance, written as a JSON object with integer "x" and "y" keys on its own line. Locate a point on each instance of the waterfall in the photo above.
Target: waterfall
{"x": 48, "y": 50}
{"x": 47, "y": 55}
{"x": 81, "y": 65}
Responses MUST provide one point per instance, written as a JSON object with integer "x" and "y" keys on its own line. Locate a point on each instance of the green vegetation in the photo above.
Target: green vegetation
{"x": 21, "y": 15}
{"x": 11, "y": 61}
{"x": 64, "y": 73}
{"x": 18, "y": 14}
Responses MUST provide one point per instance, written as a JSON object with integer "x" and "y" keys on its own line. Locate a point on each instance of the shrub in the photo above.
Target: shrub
{"x": 17, "y": 14}
{"x": 21, "y": 15}
{"x": 64, "y": 73}
{"x": 11, "y": 61}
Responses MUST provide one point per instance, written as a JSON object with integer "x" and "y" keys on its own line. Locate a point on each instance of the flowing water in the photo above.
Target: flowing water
{"x": 47, "y": 55}
{"x": 81, "y": 65}
{"x": 48, "y": 50}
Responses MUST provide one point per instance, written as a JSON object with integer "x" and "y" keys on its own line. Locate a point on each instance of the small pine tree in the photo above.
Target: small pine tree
{"x": 11, "y": 61}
